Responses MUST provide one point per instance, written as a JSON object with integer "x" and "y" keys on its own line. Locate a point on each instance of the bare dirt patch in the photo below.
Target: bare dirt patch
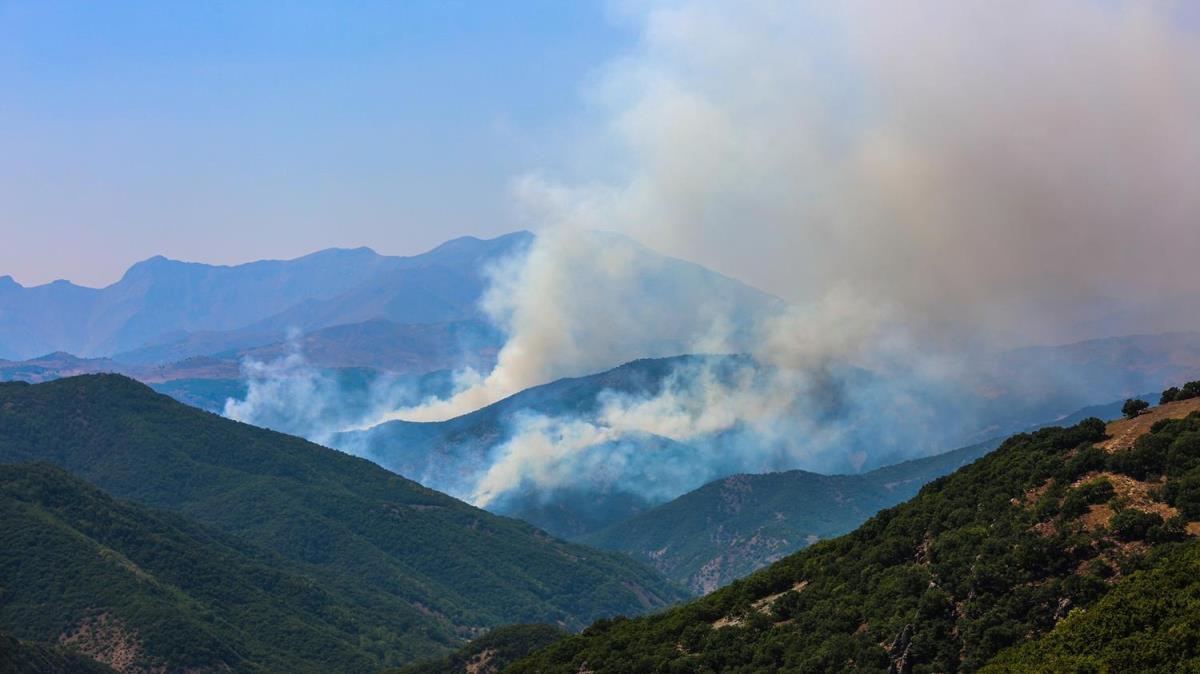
{"x": 481, "y": 663}
{"x": 1124, "y": 432}
{"x": 1096, "y": 517}
{"x": 1136, "y": 494}
{"x": 105, "y": 639}
{"x": 762, "y": 605}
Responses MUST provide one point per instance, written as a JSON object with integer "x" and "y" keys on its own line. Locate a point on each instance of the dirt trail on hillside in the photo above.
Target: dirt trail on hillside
{"x": 1123, "y": 432}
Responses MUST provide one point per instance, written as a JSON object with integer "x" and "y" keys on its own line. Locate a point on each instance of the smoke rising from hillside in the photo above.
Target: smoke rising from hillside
{"x": 977, "y": 165}
{"x": 915, "y": 181}
{"x": 291, "y": 395}
{"x": 965, "y": 160}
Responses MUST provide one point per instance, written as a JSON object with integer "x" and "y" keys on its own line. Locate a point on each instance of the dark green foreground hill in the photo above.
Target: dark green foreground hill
{"x": 144, "y": 589}
{"x": 980, "y": 561}
{"x": 731, "y": 527}
{"x": 22, "y": 657}
{"x": 421, "y": 570}
{"x": 489, "y": 653}
{"x": 1149, "y": 623}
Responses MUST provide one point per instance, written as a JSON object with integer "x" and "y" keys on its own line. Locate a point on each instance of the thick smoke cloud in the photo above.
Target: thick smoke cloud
{"x": 984, "y": 166}
{"x": 977, "y": 163}
{"x": 720, "y": 416}
{"x": 291, "y": 395}
{"x": 920, "y": 183}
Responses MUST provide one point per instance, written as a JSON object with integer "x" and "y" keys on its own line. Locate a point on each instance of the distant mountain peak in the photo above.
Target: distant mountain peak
{"x": 472, "y": 242}
{"x": 335, "y": 251}
{"x": 152, "y": 265}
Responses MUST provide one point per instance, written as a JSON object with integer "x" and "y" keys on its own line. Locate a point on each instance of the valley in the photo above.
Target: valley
{"x": 979, "y": 560}
{"x": 175, "y": 508}
{"x": 600, "y": 337}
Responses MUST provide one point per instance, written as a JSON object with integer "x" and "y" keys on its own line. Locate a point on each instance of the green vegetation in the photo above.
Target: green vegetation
{"x": 1149, "y": 622}
{"x": 207, "y": 394}
{"x": 422, "y": 570}
{"x": 77, "y": 562}
{"x": 1093, "y": 492}
{"x": 1134, "y": 407}
{"x": 489, "y": 653}
{"x": 1174, "y": 394}
{"x": 21, "y": 657}
{"x": 727, "y": 529}
{"x": 978, "y": 562}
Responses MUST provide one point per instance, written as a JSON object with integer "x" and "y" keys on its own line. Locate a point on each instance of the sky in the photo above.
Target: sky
{"x": 225, "y": 132}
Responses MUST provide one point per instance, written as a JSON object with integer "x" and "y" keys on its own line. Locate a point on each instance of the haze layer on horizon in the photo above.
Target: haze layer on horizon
{"x": 229, "y": 132}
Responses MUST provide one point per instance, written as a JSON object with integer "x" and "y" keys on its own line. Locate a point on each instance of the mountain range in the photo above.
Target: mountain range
{"x": 358, "y": 323}
{"x": 165, "y": 310}
{"x": 1048, "y": 385}
{"x": 731, "y": 527}
{"x": 358, "y": 565}
{"x": 1065, "y": 549}
{"x": 156, "y": 536}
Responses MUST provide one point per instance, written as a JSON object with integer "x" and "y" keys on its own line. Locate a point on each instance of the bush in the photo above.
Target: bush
{"x": 1174, "y": 529}
{"x": 1134, "y": 407}
{"x": 1134, "y": 525}
{"x": 1184, "y": 494}
{"x": 1190, "y": 390}
{"x": 1147, "y": 457}
{"x": 1079, "y": 498}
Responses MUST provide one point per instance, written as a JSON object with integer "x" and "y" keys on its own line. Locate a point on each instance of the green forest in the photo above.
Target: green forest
{"x": 1032, "y": 536}
{"x": 397, "y": 571}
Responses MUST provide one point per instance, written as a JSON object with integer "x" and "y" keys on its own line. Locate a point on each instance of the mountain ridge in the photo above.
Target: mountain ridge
{"x": 159, "y": 296}
{"x": 979, "y": 561}
{"x": 437, "y": 569}
{"x": 728, "y": 528}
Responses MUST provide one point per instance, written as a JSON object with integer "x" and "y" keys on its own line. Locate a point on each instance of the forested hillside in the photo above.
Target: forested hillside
{"x": 22, "y": 657}
{"x": 729, "y": 528}
{"x": 490, "y": 653}
{"x": 1148, "y": 623}
{"x": 144, "y": 590}
{"x": 979, "y": 561}
{"x": 423, "y": 570}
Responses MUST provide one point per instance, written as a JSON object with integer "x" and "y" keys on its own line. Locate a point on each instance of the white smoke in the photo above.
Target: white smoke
{"x": 977, "y": 163}
{"x": 919, "y": 181}
{"x": 290, "y": 395}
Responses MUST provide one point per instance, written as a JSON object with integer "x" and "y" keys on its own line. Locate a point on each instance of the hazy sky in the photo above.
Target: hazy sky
{"x": 228, "y": 131}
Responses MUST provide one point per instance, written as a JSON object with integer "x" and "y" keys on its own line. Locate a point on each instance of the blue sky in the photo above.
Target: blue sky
{"x": 227, "y": 131}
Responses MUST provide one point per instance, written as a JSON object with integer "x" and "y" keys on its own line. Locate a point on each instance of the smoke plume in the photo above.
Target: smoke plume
{"x": 918, "y": 183}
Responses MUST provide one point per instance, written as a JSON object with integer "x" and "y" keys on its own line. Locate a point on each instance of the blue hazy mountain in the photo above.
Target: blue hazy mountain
{"x": 161, "y": 302}
{"x": 444, "y": 455}
{"x": 731, "y": 527}
{"x": 1043, "y": 385}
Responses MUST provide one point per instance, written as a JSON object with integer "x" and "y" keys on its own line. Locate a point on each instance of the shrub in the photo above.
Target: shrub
{"x": 1086, "y": 494}
{"x": 1134, "y": 525}
{"x": 1184, "y": 494}
{"x": 1134, "y": 407}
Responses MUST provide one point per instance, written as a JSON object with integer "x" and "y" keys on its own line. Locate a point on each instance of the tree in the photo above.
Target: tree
{"x": 1169, "y": 395}
{"x": 1134, "y": 407}
{"x": 1133, "y": 525}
